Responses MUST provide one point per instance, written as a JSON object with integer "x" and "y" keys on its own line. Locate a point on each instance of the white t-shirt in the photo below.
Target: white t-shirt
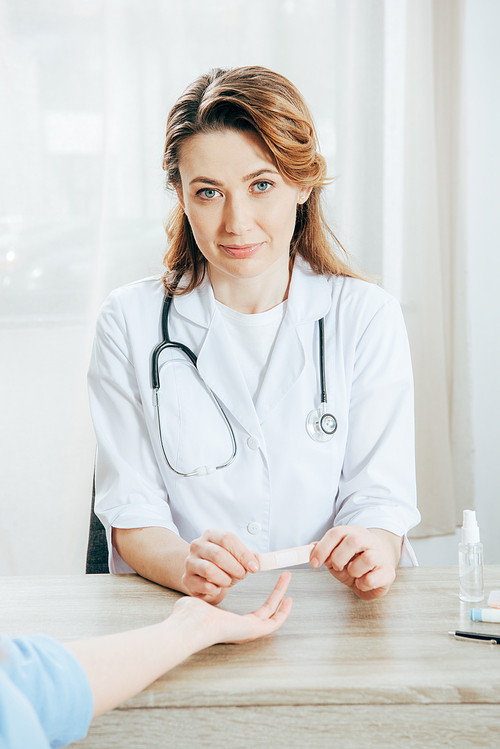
{"x": 253, "y": 338}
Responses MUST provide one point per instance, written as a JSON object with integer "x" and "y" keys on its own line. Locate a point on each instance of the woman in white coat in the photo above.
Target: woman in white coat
{"x": 251, "y": 270}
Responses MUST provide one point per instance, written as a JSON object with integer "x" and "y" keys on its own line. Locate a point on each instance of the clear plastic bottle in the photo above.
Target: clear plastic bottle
{"x": 470, "y": 560}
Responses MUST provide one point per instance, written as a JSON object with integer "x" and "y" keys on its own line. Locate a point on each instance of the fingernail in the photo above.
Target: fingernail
{"x": 253, "y": 566}
{"x": 314, "y": 562}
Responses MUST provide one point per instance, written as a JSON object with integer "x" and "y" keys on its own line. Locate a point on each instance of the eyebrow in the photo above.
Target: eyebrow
{"x": 246, "y": 178}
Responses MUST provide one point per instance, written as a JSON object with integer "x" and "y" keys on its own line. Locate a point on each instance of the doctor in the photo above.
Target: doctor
{"x": 251, "y": 268}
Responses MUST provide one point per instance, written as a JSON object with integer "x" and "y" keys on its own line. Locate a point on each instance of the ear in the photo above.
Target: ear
{"x": 178, "y": 190}
{"x": 304, "y": 194}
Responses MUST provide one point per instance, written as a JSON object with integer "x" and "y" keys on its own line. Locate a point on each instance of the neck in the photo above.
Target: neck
{"x": 251, "y": 295}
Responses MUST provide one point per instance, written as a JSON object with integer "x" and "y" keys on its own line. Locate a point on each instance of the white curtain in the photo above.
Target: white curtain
{"x": 85, "y": 89}
{"x": 433, "y": 273}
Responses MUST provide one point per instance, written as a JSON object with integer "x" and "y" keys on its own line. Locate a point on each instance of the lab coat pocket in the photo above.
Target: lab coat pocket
{"x": 193, "y": 428}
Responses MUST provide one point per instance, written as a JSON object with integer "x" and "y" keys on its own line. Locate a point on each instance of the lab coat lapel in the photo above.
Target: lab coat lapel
{"x": 286, "y": 364}
{"x": 218, "y": 365}
{"x": 309, "y": 299}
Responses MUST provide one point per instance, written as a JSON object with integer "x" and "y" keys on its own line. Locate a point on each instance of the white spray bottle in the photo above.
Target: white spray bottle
{"x": 470, "y": 560}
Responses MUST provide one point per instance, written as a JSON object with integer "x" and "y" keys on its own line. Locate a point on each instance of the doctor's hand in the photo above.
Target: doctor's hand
{"x": 364, "y": 560}
{"x": 216, "y": 561}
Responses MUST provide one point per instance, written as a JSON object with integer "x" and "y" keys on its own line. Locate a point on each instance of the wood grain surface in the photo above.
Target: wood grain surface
{"x": 340, "y": 670}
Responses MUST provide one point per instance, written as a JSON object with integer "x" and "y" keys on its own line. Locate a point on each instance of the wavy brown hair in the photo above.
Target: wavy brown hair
{"x": 257, "y": 99}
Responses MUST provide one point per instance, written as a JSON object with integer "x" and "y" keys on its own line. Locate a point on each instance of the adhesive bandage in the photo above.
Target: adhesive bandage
{"x": 285, "y": 558}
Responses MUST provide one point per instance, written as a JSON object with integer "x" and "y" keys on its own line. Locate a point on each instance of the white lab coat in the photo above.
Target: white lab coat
{"x": 283, "y": 489}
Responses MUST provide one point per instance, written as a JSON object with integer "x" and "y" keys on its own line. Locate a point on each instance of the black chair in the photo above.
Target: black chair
{"x": 97, "y": 549}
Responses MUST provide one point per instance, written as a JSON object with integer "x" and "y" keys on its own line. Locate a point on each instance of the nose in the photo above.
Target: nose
{"x": 237, "y": 217}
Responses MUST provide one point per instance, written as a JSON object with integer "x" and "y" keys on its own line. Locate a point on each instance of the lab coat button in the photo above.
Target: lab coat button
{"x": 253, "y": 443}
{"x": 254, "y": 528}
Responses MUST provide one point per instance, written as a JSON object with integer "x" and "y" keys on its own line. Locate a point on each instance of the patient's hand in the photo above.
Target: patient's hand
{"x": 216, "y": 625}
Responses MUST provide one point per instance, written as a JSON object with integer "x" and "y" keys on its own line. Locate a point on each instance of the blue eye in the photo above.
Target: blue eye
{"x": 262, "y": 186}
{"x": 208, "y": 193}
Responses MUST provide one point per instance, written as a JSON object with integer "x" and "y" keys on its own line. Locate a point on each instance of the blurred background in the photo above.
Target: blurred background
{"x": 406, "y": 98}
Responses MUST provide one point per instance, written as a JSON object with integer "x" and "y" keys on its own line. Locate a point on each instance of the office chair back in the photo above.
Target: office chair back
{"x": 97, "y": 549}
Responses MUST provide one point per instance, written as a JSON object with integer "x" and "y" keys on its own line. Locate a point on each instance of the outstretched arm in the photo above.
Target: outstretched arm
{"x": 121, "y": 665}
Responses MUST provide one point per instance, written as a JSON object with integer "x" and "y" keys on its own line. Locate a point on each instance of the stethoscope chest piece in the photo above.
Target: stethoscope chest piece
{"x": 321, "y": 425}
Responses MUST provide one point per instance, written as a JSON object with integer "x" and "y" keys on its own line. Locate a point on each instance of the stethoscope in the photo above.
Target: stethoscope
{"x": 320, "y": 425}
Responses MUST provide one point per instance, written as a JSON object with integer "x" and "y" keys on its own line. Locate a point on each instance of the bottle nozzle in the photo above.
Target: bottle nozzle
{"x": 470, "y": 529}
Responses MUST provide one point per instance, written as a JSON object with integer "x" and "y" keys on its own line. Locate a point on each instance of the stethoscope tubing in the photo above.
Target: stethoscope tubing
{"x": 167, "y": 343}
{"x": 155, "y": 381}
{"x": 315, "y": 421}
{"x": 322, "y": 371}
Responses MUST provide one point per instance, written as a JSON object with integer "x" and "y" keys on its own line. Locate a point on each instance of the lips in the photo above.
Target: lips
{"x": 242, "y": 250}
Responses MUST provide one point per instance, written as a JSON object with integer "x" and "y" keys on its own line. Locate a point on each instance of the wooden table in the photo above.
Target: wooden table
{"x": 340, "y": 673}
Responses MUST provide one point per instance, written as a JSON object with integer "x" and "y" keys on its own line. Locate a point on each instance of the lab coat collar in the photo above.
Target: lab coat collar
{"x": 309, "y": 298}
{"x": 199, "y": 305}
{"x": 309, "y": 295}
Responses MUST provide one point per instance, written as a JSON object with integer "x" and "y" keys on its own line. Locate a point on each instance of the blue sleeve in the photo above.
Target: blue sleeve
{"x": 19, "y": 724}
{"x": 54, "y": 683}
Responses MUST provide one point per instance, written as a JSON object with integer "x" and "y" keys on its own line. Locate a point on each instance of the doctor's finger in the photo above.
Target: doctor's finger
{"x": 224, "y": 560}
{"x": 324, "y": 548}
{"x": 377, "y": 579}
{"x": 351, "y": 544}
{"x": 342, "y": 576}
{"x": 234, "y": 546}
{"x": 210, "y": 572}
{"x": 200, "y": 587}
{"x": 364, "y": 563}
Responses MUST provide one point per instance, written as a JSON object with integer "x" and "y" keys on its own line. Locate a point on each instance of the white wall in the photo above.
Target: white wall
{"x": 482, "y": 220}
